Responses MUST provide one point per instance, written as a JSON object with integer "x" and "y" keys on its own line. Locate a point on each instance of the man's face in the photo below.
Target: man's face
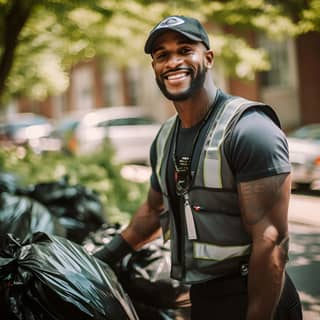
{"x": 180, "y": 65}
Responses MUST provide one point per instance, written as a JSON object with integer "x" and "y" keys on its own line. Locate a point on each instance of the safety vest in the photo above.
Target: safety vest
{"x": 215, "y": 242}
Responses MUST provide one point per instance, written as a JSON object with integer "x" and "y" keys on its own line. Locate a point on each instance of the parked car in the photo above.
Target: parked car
{"x": 127, "y": 128}
{"x": 304, "y": 151}
{"x": 25, "y": 129}
{"x": 64, "y": 129}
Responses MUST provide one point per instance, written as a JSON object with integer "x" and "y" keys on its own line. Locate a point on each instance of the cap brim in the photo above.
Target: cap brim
{"x": 148, "y": 48}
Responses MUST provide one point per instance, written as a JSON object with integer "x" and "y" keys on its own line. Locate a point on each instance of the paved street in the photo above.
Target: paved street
{"x": 305, "y": 208}
{"x": 304, "y": 264}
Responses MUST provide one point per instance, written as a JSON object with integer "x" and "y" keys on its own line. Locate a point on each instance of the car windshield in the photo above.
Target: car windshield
{"x": 66, "y": 125}
{"x": 309, "y": 132}
{"x": 130, "y": 121}
{"x": 12, "y": 126}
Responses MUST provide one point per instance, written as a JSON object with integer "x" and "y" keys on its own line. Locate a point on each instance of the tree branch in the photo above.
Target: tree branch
{"x": 15, "y": 19}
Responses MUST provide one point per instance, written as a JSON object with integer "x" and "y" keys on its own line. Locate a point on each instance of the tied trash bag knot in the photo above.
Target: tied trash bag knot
{"x": 10, "y": 249}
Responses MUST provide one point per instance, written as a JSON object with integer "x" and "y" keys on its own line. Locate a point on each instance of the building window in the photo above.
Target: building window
{"x": 133, "y": 81}
{"x": 112, "y": 86}
{"x": 279, "y": 55}
{"x": 82, "y": 89}
{"x": 120, "y": 85}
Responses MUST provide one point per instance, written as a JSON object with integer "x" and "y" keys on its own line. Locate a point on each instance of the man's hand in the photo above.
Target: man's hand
{"x": 114, "y": 251}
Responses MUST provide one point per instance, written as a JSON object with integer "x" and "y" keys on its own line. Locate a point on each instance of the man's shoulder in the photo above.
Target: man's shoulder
{"x": 255, "y": 124}
{"x": 251, "y": 110}
{"x": 257, "y": 116}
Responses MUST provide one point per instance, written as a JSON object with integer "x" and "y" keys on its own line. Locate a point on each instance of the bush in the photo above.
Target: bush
{"x": 98, "y": 172}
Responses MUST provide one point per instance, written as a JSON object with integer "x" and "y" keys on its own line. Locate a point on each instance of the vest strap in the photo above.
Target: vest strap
{"x": 162, "y": 139}
{"x": 191, "y": 227}
{"x": 212, "y": 162}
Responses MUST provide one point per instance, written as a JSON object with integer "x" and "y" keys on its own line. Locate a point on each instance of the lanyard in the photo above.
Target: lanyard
{"x": 182, "y": 164}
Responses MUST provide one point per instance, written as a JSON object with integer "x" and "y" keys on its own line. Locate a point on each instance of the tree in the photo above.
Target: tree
{"x": 13, "y": 18}
{"x": 42, "y": 39}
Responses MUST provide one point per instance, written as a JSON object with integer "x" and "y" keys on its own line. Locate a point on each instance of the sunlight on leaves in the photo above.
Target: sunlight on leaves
{"x": 84, "y": 18}
{"x": 74, "y": 31}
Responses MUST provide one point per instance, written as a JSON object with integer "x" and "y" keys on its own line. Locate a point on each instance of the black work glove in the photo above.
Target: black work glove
{"x": 114, "y": 251}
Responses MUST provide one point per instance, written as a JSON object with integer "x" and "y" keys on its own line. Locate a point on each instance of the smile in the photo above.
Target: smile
{"x": 176, "y": 76}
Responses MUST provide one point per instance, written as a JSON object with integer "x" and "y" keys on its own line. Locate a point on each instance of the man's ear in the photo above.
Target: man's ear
{"x": 209, "y": 58}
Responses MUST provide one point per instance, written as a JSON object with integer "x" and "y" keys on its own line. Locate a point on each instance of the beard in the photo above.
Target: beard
{"x": 197, "y": 81}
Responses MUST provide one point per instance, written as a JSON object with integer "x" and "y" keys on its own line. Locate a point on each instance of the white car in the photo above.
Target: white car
{"x": 127, "y": 128}
{"x": 26, "y": 129}
{"x": 304, "y": 152}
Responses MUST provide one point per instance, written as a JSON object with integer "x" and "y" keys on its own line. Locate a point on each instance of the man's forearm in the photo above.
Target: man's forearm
{"x": 143, "y": 227}
{"x": 265, "y": 280}
{"x": 264, "y": 206}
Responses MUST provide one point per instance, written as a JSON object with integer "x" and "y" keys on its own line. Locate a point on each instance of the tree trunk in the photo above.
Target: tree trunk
{"x": 15, "y": 20}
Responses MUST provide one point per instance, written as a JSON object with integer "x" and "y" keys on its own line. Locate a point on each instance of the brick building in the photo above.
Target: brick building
{"x": 291, "y": 86}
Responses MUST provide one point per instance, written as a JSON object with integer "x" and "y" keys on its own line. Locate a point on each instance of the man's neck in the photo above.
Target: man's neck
{"x": 193, "y": 110}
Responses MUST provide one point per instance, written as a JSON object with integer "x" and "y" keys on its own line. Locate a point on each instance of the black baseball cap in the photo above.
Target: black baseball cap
{"x": 189, "y": 27}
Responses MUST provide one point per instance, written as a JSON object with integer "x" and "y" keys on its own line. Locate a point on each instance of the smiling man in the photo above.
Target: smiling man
{"x": 220, "y": 188}
{"x": 180, "y": 82}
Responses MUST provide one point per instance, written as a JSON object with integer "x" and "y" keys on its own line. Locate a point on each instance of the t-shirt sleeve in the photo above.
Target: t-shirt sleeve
{"x": 257, "y": 147}
{"x": 153, "y": 160}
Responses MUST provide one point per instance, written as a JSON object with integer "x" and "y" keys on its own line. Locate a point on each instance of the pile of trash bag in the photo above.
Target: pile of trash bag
{"x": 8, "y": 183}
{"x": 52, "y": 278}
{"x": 46, "y": 274}
{"x": 23, "y": 216}
{"x": 145, "y": 276}
{"x": 78, "y": 209}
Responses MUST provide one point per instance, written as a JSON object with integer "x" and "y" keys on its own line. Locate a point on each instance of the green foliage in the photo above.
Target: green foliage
{"x": 311, "y": 17}
{"x": 98, "y": 172}
{"x": 58, "y": 34}
{"x": 243, "y": 62}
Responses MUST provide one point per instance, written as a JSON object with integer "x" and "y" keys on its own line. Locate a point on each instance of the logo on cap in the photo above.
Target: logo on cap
{"x": 170, "y": 22}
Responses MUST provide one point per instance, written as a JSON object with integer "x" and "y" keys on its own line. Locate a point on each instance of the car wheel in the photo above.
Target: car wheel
{"x": 303, "y": 186}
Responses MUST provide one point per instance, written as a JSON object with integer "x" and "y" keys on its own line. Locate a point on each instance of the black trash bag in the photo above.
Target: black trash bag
{"x": 94, "y": 241}
{"x": 147, "y": 312}
{"x": 8, "y": 182}
{"x": 78, "y": 209}
{"x": 52, "y": 278}
{"x": 97, "y": 239}
{"x": 23, "y": 216}
{"x": 145, "y": 275}
{"x": 146, "y": 278}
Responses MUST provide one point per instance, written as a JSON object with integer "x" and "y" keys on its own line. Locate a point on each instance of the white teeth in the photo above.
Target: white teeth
{"x": 176, "y": 76}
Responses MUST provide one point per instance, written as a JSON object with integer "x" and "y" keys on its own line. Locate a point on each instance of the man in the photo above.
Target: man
{"x": 220, "y": 187}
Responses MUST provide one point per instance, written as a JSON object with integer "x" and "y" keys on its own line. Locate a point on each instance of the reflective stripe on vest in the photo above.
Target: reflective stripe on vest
{"x": 161, "y": 142}
{"x": 218, "y": 253}
{"x": 212, "y": 161}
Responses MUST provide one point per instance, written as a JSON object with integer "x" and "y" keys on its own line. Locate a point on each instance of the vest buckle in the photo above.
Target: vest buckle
{"x": 244, "y": 269}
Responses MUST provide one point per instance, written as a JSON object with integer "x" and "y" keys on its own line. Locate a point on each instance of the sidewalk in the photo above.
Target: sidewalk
{"x": 304, "y": 209}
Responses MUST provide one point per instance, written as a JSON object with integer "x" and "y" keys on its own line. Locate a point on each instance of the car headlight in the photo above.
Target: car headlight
{"x": 317, "y": 161}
